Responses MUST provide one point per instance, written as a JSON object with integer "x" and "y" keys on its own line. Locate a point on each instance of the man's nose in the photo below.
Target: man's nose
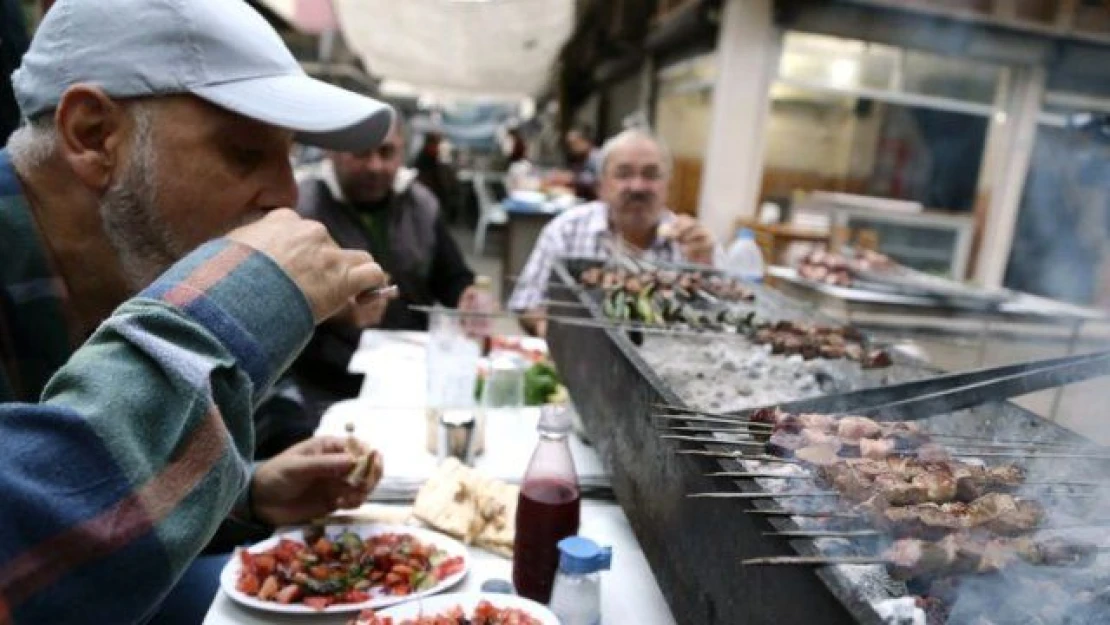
{"x": 373, "y": 163}
{"x": 639, "y": 183}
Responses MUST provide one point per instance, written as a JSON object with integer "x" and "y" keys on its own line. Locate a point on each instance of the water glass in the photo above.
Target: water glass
{"x": 504, "y": 384}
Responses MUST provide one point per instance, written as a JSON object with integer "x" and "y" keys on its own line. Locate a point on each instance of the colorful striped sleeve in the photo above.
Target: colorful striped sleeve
{"x": 138, "y": 448}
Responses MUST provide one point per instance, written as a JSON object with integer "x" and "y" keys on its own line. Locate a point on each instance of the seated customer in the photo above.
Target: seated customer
{"x": 121, "y": 458}
{"x": 369, "y": 202}
{"x": 635, "y": 168}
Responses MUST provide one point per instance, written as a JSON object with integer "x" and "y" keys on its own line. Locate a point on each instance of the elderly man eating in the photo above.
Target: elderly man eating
{"x": 153, "y": 286}
{"x": 629, "y": 217}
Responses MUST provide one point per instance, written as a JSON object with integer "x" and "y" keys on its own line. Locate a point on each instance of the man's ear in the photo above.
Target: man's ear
{"x": 92, "y": 129}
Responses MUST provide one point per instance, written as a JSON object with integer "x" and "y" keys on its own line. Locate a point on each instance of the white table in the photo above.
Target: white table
{"x": 387, "y": 415}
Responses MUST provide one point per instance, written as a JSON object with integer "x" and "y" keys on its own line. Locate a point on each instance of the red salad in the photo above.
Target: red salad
{"x": 344, "y": 568}
{"x": 484, "y": 614}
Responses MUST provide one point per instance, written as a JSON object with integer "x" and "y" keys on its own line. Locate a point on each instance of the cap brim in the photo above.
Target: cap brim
{"x": 322, "y": 115}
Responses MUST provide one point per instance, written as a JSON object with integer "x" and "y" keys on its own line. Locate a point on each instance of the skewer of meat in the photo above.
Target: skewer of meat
{"x": 954, "y": 481}
{"x": 957, "y": 554}
{"x": 763, "y": 433}
{"x": 820, "y": 455}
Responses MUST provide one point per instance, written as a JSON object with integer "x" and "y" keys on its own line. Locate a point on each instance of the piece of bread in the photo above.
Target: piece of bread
{"x": 459, "y": 501}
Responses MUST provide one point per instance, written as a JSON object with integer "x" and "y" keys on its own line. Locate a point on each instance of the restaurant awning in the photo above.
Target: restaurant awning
{"x": 476, "y": 48}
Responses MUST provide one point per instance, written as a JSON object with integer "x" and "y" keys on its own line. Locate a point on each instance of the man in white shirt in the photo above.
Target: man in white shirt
{"x": 635, "y": 169}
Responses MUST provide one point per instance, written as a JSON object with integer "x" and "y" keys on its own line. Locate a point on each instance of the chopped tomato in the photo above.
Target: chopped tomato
{"x": 449, "y": 567}
{"x": 317, "y": 603}
{"x": 264, "y": 564}
{"x": 355, "y": 596}
{"x": 248, "y": 584}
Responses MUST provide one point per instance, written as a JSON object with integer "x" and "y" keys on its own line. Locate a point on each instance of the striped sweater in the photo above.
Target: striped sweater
{"x": 138, "y": 448}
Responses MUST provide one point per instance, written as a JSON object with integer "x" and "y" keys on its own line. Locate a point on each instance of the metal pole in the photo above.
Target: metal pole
{"x": 1076, "y": 327}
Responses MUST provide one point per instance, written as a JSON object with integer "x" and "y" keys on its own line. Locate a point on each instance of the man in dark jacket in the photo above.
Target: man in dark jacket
{"x": 369, "y": 202}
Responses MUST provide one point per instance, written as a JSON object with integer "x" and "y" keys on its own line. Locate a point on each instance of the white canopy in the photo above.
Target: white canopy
{"x": 478, "y": 48}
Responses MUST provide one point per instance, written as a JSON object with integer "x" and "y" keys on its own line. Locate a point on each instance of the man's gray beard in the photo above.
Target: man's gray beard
{"x": 129, "y": 214}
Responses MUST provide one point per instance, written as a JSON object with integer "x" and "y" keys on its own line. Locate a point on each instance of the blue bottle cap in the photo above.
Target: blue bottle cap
{"x": 745, "y": 234}
{"x": 582, "y": 556}
{"x": 499, "y": 586}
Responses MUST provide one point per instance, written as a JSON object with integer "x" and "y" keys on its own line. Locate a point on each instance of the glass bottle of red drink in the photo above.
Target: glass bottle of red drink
{"x": 548, "y": 508}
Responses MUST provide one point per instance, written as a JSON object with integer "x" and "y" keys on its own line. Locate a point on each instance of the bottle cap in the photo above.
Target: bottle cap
{"x": 555, "y": 418}
{"x": 498, "y": 586}
{"x": 582, "y": 556}
{"x": 745, "y": 234}
{"x": 483, "y": 282}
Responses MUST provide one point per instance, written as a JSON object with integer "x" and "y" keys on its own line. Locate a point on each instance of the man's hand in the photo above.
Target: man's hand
{"x": 366, "y": 310}
{"x": 328, "y": 275}
{"x": 695, "y": 240}
{"x": 309, "y": 480}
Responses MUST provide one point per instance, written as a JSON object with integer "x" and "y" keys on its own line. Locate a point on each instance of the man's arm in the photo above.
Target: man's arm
{"x": 449, "y": 275}
{"x": 139, "y": 445}
{"x": 531, "y": 288}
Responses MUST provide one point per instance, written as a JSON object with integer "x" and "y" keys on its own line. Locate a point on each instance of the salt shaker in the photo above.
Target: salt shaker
{"x": 576, "y": 598}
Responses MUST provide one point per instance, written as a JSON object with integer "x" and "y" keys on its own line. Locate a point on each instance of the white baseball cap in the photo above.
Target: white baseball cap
{"x": 222, "y": 51}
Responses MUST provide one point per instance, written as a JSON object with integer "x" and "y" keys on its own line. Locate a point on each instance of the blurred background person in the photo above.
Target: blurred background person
{"x": 368, "y": 201}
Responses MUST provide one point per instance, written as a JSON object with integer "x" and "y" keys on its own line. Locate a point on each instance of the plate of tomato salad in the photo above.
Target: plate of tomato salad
{"x": 343, "y": 568}
{"x": 455, "y": 608}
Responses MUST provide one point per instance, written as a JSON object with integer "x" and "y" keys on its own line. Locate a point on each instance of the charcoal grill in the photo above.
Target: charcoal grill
{"x": 695, "y": 546}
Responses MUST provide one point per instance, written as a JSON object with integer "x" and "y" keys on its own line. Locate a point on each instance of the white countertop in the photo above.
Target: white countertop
{"x": 388, "y": 414}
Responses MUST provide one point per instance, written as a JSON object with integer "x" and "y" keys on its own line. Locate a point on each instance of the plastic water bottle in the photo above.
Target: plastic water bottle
{"x": 745, "y": 260}
{"x": 576, "y": 599}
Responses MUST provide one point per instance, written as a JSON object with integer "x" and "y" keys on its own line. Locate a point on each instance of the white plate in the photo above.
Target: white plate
{"x": 469, "y": 601}
{"x": 230, "y": 574}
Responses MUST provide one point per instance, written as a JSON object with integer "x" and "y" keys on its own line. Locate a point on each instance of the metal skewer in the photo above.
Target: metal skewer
{"x": 966, "y": 450}
{"x": 736, "y": 455}
{"x": 783, "y": 495}
{"x": 806, "y": 513}
{"x": 815, "y": 560}
{"x": 962, "y": 443}
{"x": 826, "y": 534}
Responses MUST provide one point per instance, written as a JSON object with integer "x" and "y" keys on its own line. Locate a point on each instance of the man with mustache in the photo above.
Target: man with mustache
{"x": 630, "y": 215}
{"x": 148, "y": 179}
